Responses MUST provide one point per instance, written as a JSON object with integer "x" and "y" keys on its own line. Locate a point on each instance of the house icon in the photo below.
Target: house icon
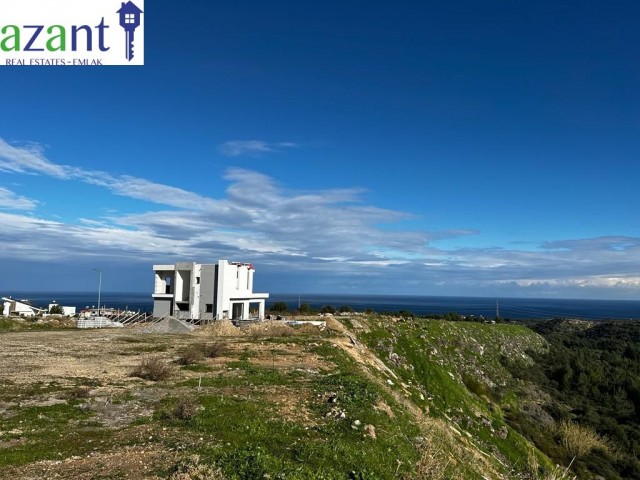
{"x": 129, "y": 16}
{"x": 129, "y": 20}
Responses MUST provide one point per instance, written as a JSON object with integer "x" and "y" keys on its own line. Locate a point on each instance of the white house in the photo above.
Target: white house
{"x": 68, "y": 311}
{"x": 20, "y": 308}
{"x": 207, "y": 291}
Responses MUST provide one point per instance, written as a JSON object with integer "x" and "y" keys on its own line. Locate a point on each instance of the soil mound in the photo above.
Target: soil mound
{"x": 220, "y": 328}
{"x": 334, "y": 325}
{"x": 270, "y": 328}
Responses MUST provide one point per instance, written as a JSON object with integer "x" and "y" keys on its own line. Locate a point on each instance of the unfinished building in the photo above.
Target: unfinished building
{"x": 207, "y": 292}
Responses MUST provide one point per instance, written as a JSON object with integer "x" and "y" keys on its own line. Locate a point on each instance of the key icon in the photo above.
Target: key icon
{"x": 129, "y": 20}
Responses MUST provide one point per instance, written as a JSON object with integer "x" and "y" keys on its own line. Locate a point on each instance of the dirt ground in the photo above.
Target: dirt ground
{"x": 41, "y": 368}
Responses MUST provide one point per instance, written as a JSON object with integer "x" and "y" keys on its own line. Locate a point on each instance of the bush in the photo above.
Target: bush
{"x": 191, "y": 355}
{"x": 328, "y": 309}
{"x": 153, "y": 368}
{"x": 305, "y": 309}
{"x": 191, "y": 469}
{"x": 56, "y": 310}
{"x": 185, "y": 408}
{"x": 580, "y": 440}
{"x": 215, "y": 350}
{"x": 80, "y": 392}
{"x": 433, "y": 462}
{"x": 279, "y": 307}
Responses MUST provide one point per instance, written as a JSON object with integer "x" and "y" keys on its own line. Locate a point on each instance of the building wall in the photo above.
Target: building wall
{"x": 207, "y": 307}
{"x": 162, "y": 307}
{"x": 164, "y": 279}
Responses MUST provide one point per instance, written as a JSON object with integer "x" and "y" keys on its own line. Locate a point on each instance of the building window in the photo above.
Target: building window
{"x": 198, "y": 280}
{"x": 129, "y": 18}
{"x": 209, "y": 307}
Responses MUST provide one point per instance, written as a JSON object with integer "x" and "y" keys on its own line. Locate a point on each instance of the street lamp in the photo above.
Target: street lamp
{"x": 99, "y": 287}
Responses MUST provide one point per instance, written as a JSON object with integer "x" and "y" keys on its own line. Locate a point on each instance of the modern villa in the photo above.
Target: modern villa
{"x": 206, "y": 292}
{"x": 20, "y": 308}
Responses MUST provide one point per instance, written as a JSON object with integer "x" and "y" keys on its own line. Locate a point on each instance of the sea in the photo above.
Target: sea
{"x": 508, "y": 308}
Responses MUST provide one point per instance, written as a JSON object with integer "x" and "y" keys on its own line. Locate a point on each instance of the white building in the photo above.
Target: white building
{"x": 207, "y": 291}
{"x": 68, "y": 311}
{"x": 20, "y": 308}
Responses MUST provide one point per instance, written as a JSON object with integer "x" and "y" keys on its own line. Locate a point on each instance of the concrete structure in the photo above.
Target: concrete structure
{"x": 21, "y": 308}
{"x": 207, "y": 292}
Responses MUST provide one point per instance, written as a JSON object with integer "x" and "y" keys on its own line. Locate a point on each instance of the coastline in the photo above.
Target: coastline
{"x": 512, "y": 308}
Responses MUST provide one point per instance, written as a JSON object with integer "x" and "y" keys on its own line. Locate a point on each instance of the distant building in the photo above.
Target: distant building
{"x": 20, "y": 308}
{"x": 207, "y": 291}
{"x": 68, "y": 311}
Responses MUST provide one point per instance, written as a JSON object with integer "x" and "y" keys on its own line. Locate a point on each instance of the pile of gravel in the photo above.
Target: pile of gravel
{"x": 169, "y": 325}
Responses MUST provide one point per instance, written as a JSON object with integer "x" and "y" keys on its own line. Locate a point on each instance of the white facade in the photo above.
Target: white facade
{"x": 19, "y": 308}
{"x": 68, "y": 311}
{"x": 207, "y": 291}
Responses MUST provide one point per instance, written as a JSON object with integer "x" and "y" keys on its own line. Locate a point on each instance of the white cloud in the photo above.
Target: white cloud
{"x": 27, "y": 160}
{"x": 238, "y": 148}
{"x": 11, "y": 201}
{"x": 325, "y": 233}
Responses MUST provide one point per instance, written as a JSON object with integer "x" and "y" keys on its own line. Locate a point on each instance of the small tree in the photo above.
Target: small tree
{"x": 305, "y": 308}
{"x": 279, "y": 307}
{"x": 346, "y": 309}
{"x": 328, "y": 309}
{"x": 56, "y": 310}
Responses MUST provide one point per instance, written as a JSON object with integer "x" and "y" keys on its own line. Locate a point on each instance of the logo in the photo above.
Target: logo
{"x": 72, "y": 33}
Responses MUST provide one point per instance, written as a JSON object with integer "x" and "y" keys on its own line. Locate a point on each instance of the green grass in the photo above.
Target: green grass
{"x": 249, "y": 438}
{"x": 51, "y": 432}
{"x": 8, "y": 324}
{"x": 446, "y": 359}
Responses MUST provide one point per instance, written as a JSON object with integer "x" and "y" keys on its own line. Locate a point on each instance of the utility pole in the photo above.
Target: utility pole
{"x": 497, "y": 309}
{"x": 99, "y": 287}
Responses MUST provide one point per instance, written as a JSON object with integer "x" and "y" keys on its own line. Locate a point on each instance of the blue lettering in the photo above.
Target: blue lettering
{"x": 27, "y": 47}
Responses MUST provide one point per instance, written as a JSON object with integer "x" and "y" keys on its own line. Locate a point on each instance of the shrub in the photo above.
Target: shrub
{"x": 191, "y": 355}
{"x": 279, "y": 307}
{"x": 305, "y": 309}
{"x": 580, "y": 440}
{"x": 80, "y": 392}
{"x": 56, "y": 310}
{"x": 214, "y": 350}
{"x": 153, "y": 368}
{"x": 191, "y": 469}
{"x": 476, "y": 386}
{"x": 185, "y": 408}
{"x": 555, "y": 473}
{"x": 433, "y": 462}
{"x": 328, "y": 309}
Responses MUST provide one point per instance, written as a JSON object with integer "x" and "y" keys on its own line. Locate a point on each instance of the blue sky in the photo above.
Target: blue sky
{"x": 431, "y": 148}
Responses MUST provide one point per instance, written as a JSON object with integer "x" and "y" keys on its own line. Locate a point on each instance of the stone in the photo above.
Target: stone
{"x": 370, "y": 431}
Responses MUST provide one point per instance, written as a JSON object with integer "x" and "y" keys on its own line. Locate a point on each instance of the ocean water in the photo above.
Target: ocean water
{"x": 513, "y": 308}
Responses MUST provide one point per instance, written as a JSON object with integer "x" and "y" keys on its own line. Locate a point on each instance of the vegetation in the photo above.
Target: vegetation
{"x": 591, "y": 372}
{"x": 328, "y": 309}
{"x": 279, "y": 307}
{"x": 305, "y": 309}
{"x": 380, "y": 397}
{"x": 153, "y": 368}
{"x": 56, "y": 310}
